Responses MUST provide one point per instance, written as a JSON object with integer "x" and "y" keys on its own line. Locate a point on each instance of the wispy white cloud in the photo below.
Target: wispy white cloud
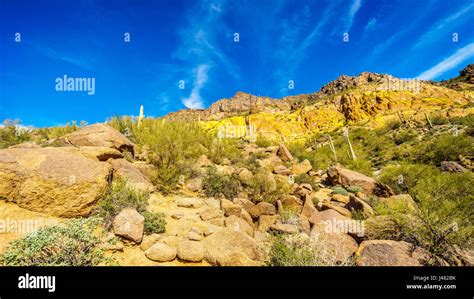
{"x": 59, "y": 56}
{"x": 448, "y": 63}
{"x": 370, "y": 25}
{"x": 452, "y": 20}
{"x": 194, "y": 101}
{"x": 199, "y": 48}
{"x": 353, "y": 9}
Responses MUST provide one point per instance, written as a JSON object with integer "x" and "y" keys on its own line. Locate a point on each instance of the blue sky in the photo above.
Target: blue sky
{"x": 193, "y": 41}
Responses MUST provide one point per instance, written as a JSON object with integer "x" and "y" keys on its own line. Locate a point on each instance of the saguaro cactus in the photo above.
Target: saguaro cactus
{"x": 346, "y": 135}
{"x": 141, "y": 116}
{"x": 333, "y": 149}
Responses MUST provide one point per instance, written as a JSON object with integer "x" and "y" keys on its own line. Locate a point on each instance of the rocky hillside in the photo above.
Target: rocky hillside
{"x": 395, "y": 188}
{"x": 371, "y": 99}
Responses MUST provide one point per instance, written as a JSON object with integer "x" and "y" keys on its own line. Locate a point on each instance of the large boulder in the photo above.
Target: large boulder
{"x": 135, "y": 178}
{"x": 129, "y": 224}
{"x": 190, "y": 251}
{"x": 262, "y": 208}
{"x": 300, "y": 168}
{"x": 98, "y": 135}
{"x": 336, "y": 243}
{"x": 345, "y": 177}
{"x": 161, "y": 252}
{"x": 386, "y": 253}
{"x": 232, "y": 248}
{"x": 56, "y": 181}
{"x": 284, "y": 153}
{"x": 101, "y": 153}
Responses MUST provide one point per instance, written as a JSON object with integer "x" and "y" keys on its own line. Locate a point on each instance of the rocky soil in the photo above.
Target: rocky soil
{"x": 56, "y": 183}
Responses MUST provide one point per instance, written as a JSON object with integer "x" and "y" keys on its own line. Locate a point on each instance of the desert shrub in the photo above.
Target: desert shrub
{"x": 289, "y": 215}
{"x": 304, "y": 178}
{"x": 263, "y": 142}
{"x": 11, "y": 134}
{"x": 173, "y": 148}
{"x": 359, "y": 165}
{"x": 154, "y": 222}
{"x": 216, "y": 184}
{"x": 446, "y": 147}
{"x": 117, "y": 197}
{"x": 354, "y": 189}
{"x": 72, "y": 244}
{"x": 299, "y": 250}
{"x": 439, "y": 119}
{"x": 339, "y": 190}
{"x": 45, "y": 134}
{"x": 288, "y": 251}
{"x": 264, "y": 189}
{"x": 443, "y": 220}
{"x": 404, "y": 135}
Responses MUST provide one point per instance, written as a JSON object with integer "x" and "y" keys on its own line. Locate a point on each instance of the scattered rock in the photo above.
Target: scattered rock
{"x": 203, "y": 161}
{"x": 211, "y": 213}
{"x": 300, "y": 168}
{"x": 135, "y": 178}
{"x": 190, "y": 251}
{"x": 238, "y": 224}
{"x": 327, "y": 215}
{"x": 232, "y": 248}
{"x": 284, "y": 228}
{"x": 340, "y": 210}
{"x": 189, "y": 202}
{"x": 386, "y": 253}
{"x": 129, "y": 224}
{"x": 284, "y": 153}
{"x": 101, "y": 153}
{"x": 281, "y": 170}
{"x": 262, "y": 208}
{"x": 98, "y": 135}
{"x": 149, "y": 241}
{"x": 340, "y": 198}
{"x": 292, "y": 202}
{"x": 177, "y": 215}
{"x": 244, "y": 203}
{"x": 194, "y": 185}
{"x": 345, "y": 177}
{"x": 246, "y": 176}
{"x": 452, "y": 166}
{"x": 161, "y": 252}
{"x": 230, "y": 208}
{"x": 339, "y": 245}
{"x": 265, "y": 221}
{"x": 356, "y": 204}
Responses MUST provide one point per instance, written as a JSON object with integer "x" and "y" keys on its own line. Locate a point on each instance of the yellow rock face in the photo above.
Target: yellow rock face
{"x": 57, "y": 181}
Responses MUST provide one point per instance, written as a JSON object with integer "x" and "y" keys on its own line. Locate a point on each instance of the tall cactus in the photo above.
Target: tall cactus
{"x": 141, "y": 116}
{"x": 346, "y": 135}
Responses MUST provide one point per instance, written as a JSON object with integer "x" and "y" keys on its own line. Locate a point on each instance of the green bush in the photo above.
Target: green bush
{"x": 354, "y": 189}
{"x": 72, "y": 244}
{"x": 304, "y": 178}
{"x": 119, "y": 196}
{"x": 446, "y": 147}
{"x": 340, "y": 190}
{"x": 300, "y": 250}
{"x": 443, "y": 220}
{"x": 154, "y": 222}
{"x": 216, "y": 184}
{"x": 264, "y": 189}
{"x": 11, "y": 134}
{"x": 287, "y": 252}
